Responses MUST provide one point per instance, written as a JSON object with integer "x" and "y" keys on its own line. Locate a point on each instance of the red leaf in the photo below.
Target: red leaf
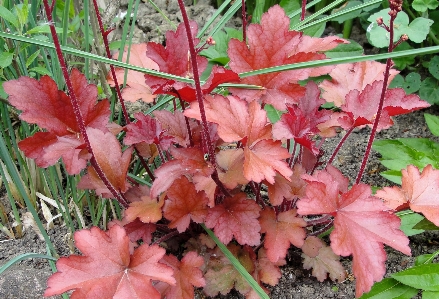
{"x": 231, "y": 171}
{"x": 362, "y": 224}
{"x": 175, "y": 59}
{"x": 281, "y": 231}
{"x": 175, "y": 125}
{"x": 352, "y": 76}
{"x": 186, "y": 161}
{"x": 187, "y": 274}
{"x": 107, "y": 270}
{"x": 248, "y": 123}
{"x": 108, "y": 155}
{"x": 137, "y": 230}
{"x": 236, "y": 217}
{"x": 136, "y": 88}
{"x": 183, "y": 204}
{"x": 302, "y": 120}
{"x": 419, "y": 190}
{"x": 362, "y": 106}
{"x": 282, "y": 188}
{"x": 148, "y": 210}
{"x": 43, "y": 104}
{"x": 271, "y": 44}
{"x": 268, "y": 271}
{"x": 323, "y": 262}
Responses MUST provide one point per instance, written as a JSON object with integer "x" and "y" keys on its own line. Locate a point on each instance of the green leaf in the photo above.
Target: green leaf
{"x": 9, "y": 16}
{"x": 290, "y": 6}
{"x": 423, "y": 5}
{"x": 6, "y": 59}
{"x": 426, "y": 258}
{"x": 273, "y": 114}
{"x": 412, "y": 83}
{"x": 426, "y": 224}
{"x": 40, "y": 70}
{"x": 389, "y": 288}
{"x": 408, "y": 221}
{"x": 433, "y": 67}
{"x": 379, "y": 37}
{"x": 345, "y": 50}
{"x": 429, "y": 91}
{"x": 44, "y": 29}
{"x": 424, "y": 277}
{"x": 430, "y": 295}
{"x": 31, "y": 58}
{"x": 403, "y": 62}
{"x": 432, "y": 123}
{"x": 22, "y": 13}
{"x": 25, "y": 256}
{"x": 348, "y": 16}
{"x": 218, "y": 52}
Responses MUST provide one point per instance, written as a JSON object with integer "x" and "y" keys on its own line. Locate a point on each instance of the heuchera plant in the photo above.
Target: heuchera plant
{"x": 214, "y": 148}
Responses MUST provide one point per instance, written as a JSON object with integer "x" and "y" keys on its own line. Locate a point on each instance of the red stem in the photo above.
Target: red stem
{"x": 339, "y": 145}
{"x": 244, "y": 21}
{"x": 116, "y": 83}
{"x": 75, "y": 104}
{"x": 380, "y": 105}
{"x": 302, "y": 15}
{"x": 200, "y": 99}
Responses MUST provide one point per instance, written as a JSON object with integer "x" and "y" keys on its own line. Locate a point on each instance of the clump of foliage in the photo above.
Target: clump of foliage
{"x": 212, "y": 155}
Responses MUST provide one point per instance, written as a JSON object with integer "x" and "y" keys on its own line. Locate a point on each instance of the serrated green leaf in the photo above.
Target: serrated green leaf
{"x": 433, "y": 67}
{"x": 424, "y": 277}
{"x": 430, "y": 295}
{"x": 408, "y": 221}
{"x": 429, "y": 91}
{"x": 345, "y": 50}
{"x": 6, "y": 59}
{"x": 389, "y": 288}
{"x": 432, "y": 123}
{"x": 9, "y": 16}
{"x": 425, "y": 258}
{"x": 424, "y": 5}
{"x": 426, "y": 224}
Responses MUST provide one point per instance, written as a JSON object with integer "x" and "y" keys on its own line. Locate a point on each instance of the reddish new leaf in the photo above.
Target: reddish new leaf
{"x": 43, "y": 104}
{"x": 183, "y": 204}
{"x": 362, "y": 224}
{"x": 187, "y": 274}
{"x": 268, "y": 271}
{"x": 221, "y": 275}
{"x": 239, "y": 121}
{"x": 111, "y": 160}
{"x": 148, "y": 210}
{"x": 175, "y": 125}
{"x": 236, "y": 217}
{"x": 107, "y": 270}
{"x": 231, "y": 168}
{"x": 281, "y": 231}
{"x": 362, "y": 106}
{"x": 352, "y": 76}
{"x": 322, "y": 260}
{"x": 419, "y": 190}
{"x": 284, "y": 189}
{"x": 271, "y": 44}
{"x": 302, "y": 120}
{"x": 186, "y": 161}
{"x": 136, "y": 88}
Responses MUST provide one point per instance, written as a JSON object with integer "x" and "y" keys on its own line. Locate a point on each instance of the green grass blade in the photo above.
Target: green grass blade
{"x": 25, "y": 256}
{"x": 318, "y": 13}
{"x": 212, "y": 19}
{"x": 240, "y": 268}
{"x": 227, "y": 16}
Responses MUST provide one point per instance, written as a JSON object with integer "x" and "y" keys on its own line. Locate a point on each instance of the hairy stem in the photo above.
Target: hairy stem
{"x": 79, "y": 119}
{"x": 116, "y": 83}
{"x": 381, "y": 103}
{"x": 244, "y": 22}
{"x": 200, "y": 99}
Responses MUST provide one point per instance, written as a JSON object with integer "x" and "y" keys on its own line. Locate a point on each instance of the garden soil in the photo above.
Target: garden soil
{"x": 27, "y": 279}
